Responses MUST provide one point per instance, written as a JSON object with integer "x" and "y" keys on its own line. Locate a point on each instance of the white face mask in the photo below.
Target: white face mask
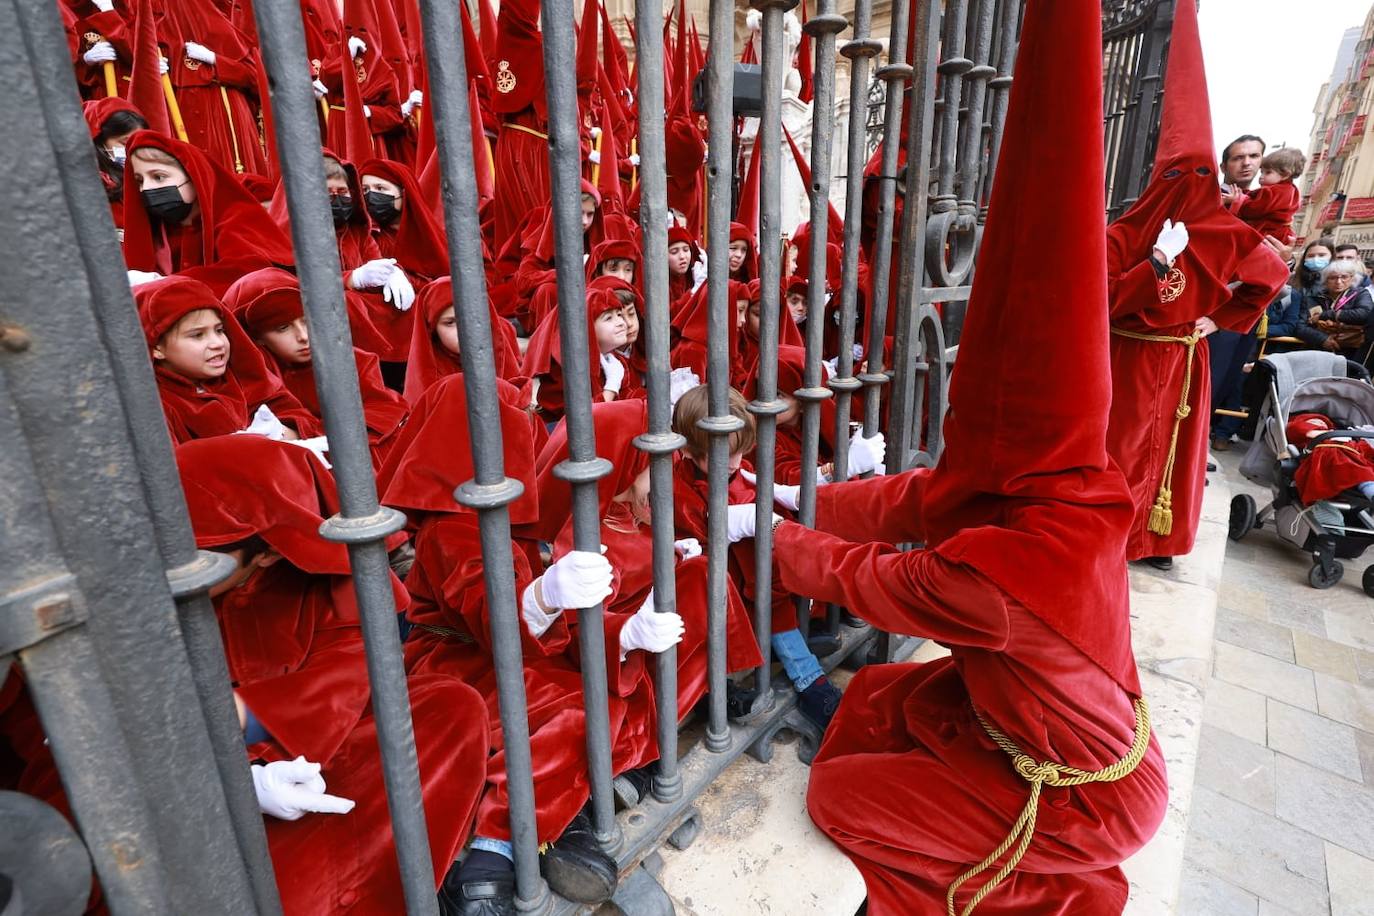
{"x": 117, "y": 155}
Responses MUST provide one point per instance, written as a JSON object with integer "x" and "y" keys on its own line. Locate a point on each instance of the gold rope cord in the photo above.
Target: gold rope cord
{"x": 1162, "y": 512}
{"x": 1040, "y": 774}
{"x": 233, "y": 134}
{"x": 525, "y": 130}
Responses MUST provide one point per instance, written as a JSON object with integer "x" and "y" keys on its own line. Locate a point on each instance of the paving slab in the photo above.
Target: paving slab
{"x": 1350, "y": 878}
{"x": 1324, "y": 804}
{"x": 1322, "y": 742}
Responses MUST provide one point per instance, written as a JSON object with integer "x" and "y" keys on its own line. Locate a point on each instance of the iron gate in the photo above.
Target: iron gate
{"x": 103, "y": 597}
{"x": 1135, "y": 47}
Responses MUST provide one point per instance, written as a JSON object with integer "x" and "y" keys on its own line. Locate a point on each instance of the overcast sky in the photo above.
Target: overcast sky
{"x": 1266, "y": 62}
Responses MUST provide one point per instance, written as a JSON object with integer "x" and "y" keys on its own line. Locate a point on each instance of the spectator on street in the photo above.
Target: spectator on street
{"x": 1240, "y": 164}
{"x": 1348, "y": 252}
{"x": 1338, "y": 311}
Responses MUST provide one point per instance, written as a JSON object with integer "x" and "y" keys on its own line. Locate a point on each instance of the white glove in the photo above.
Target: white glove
{"x": 580, "y": 579}
{"x": 739, "y": 522}
{"x": 415, "y": 100}
{"x": 137, "y": 277}
{"x": 373, "y": 274}
{"x": 594, "y": 157}
{"x": 317, "y": 446}
{"x": 614, "y": 370}
{"x": 1173, "y": 238}
{"x": 681, "y": 381}
{"x": 399, "y": 291}
{"x": 367, "y": 111}
{"x": 163, "y": 67}
{"x": 649, "y": 630}
{"x": 595, "y": 132}
{"x": 288, "y": 789}
{"x": 265, "y": 424}
{"x": 786, "y": 496}
{"x": 832, "y": 365}
{"x": 356, "y": 46}
{"x": 100, "y": 53}
{"x": 699, "y": 272}
{"x": 866, "y": 454}
{"x": 103, "y": 5}
{"x": 537, "y": 620}
{"x": 634, "y": 159}
{"x": 200, "y": 52}
{"x": 687, "y": 548}
{"x": 321, "y": 90}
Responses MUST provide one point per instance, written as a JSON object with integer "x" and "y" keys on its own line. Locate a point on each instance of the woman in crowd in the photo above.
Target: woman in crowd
{"x": 1338, "y": 311}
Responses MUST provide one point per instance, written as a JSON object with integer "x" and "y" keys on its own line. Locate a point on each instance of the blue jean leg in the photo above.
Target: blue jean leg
{"x": 797, "y": 658}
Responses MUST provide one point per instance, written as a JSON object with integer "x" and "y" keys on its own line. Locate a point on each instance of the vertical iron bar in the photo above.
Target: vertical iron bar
{"x": 490, "y": 490}
{"x": 583, "y": 468}
{"x": 68, "y": 691}
{"x": 896, "y": 72}
{"x": 1000, "y": 86}
{"x": 860, "y": 50}
{"x": 766, "y": 406}
{"x": 971, "y": 152}
{"x": 822, "y": 27}
{"x": 720, "y": 424}
{"x": 363, "y": 523}
{"x": 190, "y": 572}
{"x": 660, "y": 442}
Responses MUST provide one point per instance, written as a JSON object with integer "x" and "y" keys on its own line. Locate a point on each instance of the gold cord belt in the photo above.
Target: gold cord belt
{"x": 1162, "y": 512}
{"x": 1040, "y": 774}
{"x": 233, "y": 134}
{"x": 525, "y": 130}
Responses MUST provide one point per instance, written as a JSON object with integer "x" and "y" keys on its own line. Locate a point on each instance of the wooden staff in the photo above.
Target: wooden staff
{"x": 173, "y": 109}
{"x": 111, "y": 83}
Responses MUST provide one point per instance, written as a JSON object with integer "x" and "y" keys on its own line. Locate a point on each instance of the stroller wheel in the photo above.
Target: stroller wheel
{"x": 1243, "y": 515}
{"x": 1368, "y": 581}
{"x": 1318, "y": 577}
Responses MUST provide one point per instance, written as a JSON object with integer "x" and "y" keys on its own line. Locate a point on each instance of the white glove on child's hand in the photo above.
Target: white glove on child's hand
{"x": 866, "y": 454}
{"x": 699, "y": 272}
{"x": 317, "y": 446}
{"x": 321, "y": 90}
{"x": 287, "y": 789}
{"x": 201, "y": 53}
{"x": 595, "y": 132}
{"x": 356, "y": 46}
{"x": 649, "y": 630}
{"x": 103, "y": 5}
{"x": 633, "y": 159}
{"x": 739, "y": 522}
{"x": 139, "y": 277}
{"x": 414, "y": 101}
{"x": 265, "y": 424}
{"x": 1173, "y": 238}
{"x": 163, "y": 66}
{"x": 681, "y": 381}
{"x": 537, "y": 620}
{"x": 787, "y": 496}
{"x": 594, "y": 157}
{"x": 614, "y": 370}
{"x": 399, "y": 291}
{"x": 373, "y": 274}
{"x": 579, "y": 579}
{"x": 687, "y": 548}
{"x": 102, "y": 52}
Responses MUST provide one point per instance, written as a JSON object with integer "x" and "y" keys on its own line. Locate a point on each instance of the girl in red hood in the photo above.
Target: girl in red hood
{"x": 111, "y": 123}
{"x": 606, "y": 333}
{"x": 744, "y": 254}
{"x": 535, "y": 281}
{"x": 267, "y": 303}
{"x": 683, "y": 257}
{"x": 192, "y": 217}
{"x": 434, "y": 352}
{"x": 403, "y": 225}
{"x": 212, "y": 380}
{"x": 214, "y": 68}
{"x": 691, "y": 348}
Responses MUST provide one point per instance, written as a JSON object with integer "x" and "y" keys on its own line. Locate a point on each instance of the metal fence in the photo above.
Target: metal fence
{"x": 1135, "y": 47}
{"x": 103, "y": 598}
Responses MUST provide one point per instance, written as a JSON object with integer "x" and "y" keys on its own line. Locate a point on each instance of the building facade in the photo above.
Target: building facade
{"x": 1338, "y": 186}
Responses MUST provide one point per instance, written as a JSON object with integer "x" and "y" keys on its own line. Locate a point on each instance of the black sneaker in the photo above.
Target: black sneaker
{"x": 479, "y": 892}
{"x": 1162, "y": 563}
{"x": 633, "y": 786}
{"x": 819, "y": 702}
{"x": 577, "y": 867}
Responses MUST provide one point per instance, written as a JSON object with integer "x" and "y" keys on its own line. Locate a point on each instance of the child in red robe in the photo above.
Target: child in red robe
{"x": 1269, "y": 209}
{"x": 294, "y": 647}
{"x": 744, "y": 255}
{"x": 403, "y": 225}
{"x": 212, "y": 380}
{"x": 817, "y": 697}
{"x": 434, "y": 348}
{"x": 267, "y": 303}
{"x": 1332, "y": 466}
{"x": 192, "y": 217}
{"x": 691, "y": 348}
{"x": 451, "y": 638}
{"x": 683, "y": 258}
{"x": 1035, "y": 725}
{"x": 606, "y": 333}
{"x": 112, "y": 122}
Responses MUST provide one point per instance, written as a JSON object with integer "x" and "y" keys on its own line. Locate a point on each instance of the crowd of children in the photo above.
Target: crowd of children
{"x": 205, "y": 229}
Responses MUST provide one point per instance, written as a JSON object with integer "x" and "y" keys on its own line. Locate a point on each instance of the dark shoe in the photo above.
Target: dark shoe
{"x": 1211, "y": 466}
{"x": 488, "y": 892}
{"x": 633, "y": 786}
{"x": 850, "y": 620}
{"x": 819, "y": 702}
{"x": 577, "y": 867}
{"x": 1221, "y": 445}
{"x": 1164, "y": 563}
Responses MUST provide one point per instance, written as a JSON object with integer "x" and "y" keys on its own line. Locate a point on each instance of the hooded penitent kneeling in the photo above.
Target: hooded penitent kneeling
{"x": 1017, "y": 774}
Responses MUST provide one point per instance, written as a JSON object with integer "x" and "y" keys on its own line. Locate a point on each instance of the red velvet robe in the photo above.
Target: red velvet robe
{"x": 85, "y": 25}
{"x": 905, "y": 740}
{"x": 1269, "y": 209}
{"x": 1332, "y": 467}
{"x": 522, "y": 148}
{"x": 295, "y": 653}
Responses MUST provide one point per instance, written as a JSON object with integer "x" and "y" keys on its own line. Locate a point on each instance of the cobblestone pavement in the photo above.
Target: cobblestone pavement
{"x": 1283, "y": 813}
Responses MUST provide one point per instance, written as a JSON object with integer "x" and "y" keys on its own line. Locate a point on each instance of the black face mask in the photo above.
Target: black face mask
{"x": 381, "y": 206}
{"x": 165, "y": 204}
{"x": 341, "y": 206}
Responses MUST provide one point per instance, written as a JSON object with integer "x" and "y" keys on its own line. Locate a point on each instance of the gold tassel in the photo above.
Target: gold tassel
{"x": 1161, "y": 516}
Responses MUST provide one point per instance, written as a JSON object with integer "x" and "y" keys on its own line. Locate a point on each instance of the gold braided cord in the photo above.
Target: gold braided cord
{"x": 233, "y": 134}
{"x": 525, "y": 130}
{"x": 1162, "y": 512}
{"x": 1040, "y": 774}
{"x": 1340, "y": 445}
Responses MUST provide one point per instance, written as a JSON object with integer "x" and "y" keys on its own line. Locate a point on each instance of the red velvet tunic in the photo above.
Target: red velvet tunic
{"x": 905, "y": 742}
{"x": 85, "y": 25}
{"x": 522, "y": 146}
{"x": 1334, "y": 466}
{"x": 1269, "y": 209}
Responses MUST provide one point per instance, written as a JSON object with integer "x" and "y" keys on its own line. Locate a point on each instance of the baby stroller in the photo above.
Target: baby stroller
{"x": 1309, "y": 382}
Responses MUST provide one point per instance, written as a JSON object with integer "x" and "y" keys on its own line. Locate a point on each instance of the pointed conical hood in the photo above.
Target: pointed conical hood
{"x": 1024, "y": 491}
{"x": 1185, "y": 128}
